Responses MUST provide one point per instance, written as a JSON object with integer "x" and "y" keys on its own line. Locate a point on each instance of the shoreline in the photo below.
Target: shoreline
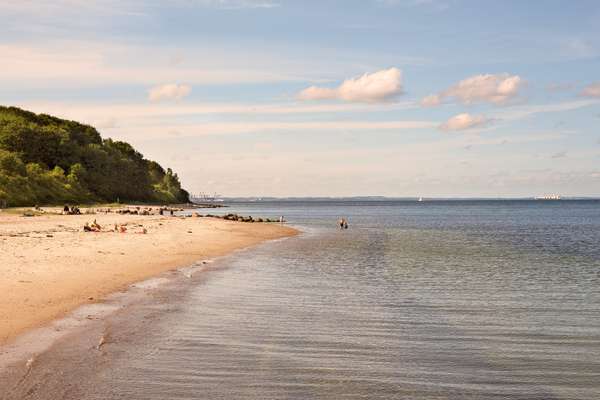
{"x": 50, "y": 267}
{"x": 83, "y": 341}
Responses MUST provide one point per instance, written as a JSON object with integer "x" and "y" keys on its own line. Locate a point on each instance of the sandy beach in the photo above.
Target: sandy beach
{"x": 49, "y": 265}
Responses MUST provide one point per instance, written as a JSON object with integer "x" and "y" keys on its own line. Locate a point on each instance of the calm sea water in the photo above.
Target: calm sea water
{"x": 431, "y": 300}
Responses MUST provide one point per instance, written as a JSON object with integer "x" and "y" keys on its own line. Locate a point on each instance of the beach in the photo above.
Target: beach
{"x": 428, "y": 300}
{"x": 50, "y": 266}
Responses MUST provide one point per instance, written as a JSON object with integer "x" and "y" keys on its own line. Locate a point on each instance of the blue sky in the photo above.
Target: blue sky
{"x": 325, "y": 98}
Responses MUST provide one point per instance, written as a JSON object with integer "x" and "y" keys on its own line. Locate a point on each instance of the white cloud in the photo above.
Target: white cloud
{"x": 158, "y": 130}
{"x": 318, "y": 93}
{"x": 128, "y": 113}
{"x": 592, "y": 90}
{"x": 77, "y": 64}
{"x": 496, "y": 89}
{"x": 170, "y": 91}
{"x": 464, "y": 121}
{"x": 516, "y": 113}
{"x": 431, "y": 101}
{"x": 153, "y": 120}
{"x": 369, "y": 88}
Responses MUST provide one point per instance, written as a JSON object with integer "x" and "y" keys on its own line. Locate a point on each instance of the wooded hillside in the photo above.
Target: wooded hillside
{"x": 48, "y": 160}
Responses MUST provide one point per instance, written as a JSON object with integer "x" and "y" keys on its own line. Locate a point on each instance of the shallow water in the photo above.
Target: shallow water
{"x": 440, "y": 300}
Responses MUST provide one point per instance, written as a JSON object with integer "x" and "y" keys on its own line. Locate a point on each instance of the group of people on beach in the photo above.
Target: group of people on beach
{"x": 120, "y": 228}
{"x": 134, "y": 210}
{"x": 72, "y": 210}
{"x": 93, "y": 227}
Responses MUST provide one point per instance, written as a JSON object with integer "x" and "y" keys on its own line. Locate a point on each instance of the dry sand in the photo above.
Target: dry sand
{"x": 49, "y": 266}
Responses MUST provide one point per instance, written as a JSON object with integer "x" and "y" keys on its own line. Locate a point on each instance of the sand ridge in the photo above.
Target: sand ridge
{"x": 49, "y": 265}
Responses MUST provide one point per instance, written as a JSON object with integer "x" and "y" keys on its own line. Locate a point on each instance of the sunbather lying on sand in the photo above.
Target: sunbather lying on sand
{"x": 91, "y": 228}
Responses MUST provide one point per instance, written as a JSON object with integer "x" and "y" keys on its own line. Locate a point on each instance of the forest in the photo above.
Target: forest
{"x": 45, "y": 160}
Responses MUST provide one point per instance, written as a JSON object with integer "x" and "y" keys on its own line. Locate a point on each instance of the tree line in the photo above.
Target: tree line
{"x": 49, "y": 160}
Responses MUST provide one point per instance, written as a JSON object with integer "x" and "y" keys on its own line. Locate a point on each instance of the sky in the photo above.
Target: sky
{"x": 395, "y": 98}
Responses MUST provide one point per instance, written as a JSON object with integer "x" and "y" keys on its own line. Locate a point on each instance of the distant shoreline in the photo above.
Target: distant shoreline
{"x": 376, "y": 199}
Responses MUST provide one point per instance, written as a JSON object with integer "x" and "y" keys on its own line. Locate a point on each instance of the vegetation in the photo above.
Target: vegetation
{"x": 48, "y": 160}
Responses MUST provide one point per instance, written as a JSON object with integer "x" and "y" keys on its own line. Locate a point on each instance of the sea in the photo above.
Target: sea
{"x": 415, "y": 300}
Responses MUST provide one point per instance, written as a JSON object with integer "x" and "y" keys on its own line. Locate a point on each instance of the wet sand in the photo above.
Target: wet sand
{"x": 49, "y": 266}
